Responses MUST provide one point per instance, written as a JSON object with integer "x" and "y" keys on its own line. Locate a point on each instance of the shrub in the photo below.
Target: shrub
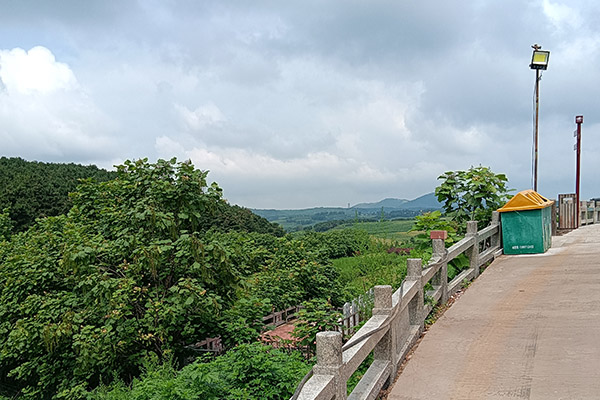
{"x": 250, "y": 371}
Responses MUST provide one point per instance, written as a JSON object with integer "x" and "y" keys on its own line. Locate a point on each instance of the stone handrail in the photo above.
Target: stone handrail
{"x": 589, "y": 212}
{"x": 397, "y": 322}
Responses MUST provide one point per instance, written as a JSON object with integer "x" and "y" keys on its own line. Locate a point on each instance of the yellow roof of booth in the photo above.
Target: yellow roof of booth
{"x": 526, "y": 200}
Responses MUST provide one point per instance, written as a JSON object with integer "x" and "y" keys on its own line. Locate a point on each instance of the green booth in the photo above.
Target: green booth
{"x": 527, "y": 223}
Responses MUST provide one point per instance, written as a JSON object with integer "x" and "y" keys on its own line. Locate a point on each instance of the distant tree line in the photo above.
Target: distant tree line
{"x": 321, "y": 221}
{"x": 31, "y": 189}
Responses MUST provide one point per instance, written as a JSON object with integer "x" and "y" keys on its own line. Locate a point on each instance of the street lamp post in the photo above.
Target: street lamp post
{"x": 539, "y": 62}
{"x": 578, "y": 121}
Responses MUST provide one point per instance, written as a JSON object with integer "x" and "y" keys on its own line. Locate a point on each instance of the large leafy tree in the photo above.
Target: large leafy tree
{"x": 137, "y": 267}
{"x": 472, "y": 194}
{"x": 162, "y": 199}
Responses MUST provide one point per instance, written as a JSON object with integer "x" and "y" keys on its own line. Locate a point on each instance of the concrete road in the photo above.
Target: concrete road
{"x": 527, "y": 328}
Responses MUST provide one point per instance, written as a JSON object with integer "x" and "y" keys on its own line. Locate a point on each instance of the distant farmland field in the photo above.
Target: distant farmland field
{"x": 396, "y": 230}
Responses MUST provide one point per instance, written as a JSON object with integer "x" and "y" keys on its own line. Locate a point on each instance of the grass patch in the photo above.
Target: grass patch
{"x": 360, "y": 273}
{"x": 394, "y": 231}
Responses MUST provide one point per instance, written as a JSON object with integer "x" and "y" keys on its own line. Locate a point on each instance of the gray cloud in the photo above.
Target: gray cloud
{"x": 313, "y": 103}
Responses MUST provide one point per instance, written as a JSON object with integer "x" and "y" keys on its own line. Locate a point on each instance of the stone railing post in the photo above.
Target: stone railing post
{"x": 497, "y": 238}
{"x": 439, "y": 250}
{"x": 587, "y": 213}
{"x": 582, "y": 213}
{"x": 329, "y": 360}
{"x": 473, "y": 252}
{"x": 595, "y": 204}
{"x": 414, "y": 270}
{"x": 386, "y": 348}
{"x": 588, "y": 220}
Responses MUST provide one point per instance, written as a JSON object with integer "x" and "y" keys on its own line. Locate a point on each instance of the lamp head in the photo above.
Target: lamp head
{"x": 539, "y": 59}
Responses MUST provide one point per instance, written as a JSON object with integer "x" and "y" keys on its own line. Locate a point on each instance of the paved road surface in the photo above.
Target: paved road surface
{"x": 527, "y": 328}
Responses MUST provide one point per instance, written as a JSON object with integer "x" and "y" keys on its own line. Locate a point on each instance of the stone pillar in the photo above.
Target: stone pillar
{"x": 329, "y": 360}
{"x": 473, "y": 252}
{"x": 414, "y": 270}
{"x": 497, "y": 239}
{"x": 441, "y": 277}
{"x": 382, "y": 302}
{"x": 386, "y": 348}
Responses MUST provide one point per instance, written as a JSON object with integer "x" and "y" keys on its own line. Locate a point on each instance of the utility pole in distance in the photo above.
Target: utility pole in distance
{"x": 578, "y": 121}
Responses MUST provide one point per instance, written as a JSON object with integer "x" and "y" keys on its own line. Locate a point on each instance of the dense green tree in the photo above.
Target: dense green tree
{"x": 162, "y": 198}
{"x": 242, "y": 219}
{"x": 472, "y": 194}
{"x": 138, "y": 266}
{"x": 6, "y": 224}
{"x": 34, "y": 189}
{"x": 336, "y": 243}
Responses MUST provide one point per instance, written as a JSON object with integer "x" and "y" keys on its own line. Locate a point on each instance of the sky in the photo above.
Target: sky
{"x": 298, "y": 104}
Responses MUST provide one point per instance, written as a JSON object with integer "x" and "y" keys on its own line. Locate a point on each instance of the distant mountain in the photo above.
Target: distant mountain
{"x": 386, "y": 203}
{"x": 392, "y": 209}
{"x": 427, "y": 201}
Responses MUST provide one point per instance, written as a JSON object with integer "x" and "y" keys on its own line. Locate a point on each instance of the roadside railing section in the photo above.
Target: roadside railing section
{"x": 397, "y": 322}
{"x": 589, "y": 212}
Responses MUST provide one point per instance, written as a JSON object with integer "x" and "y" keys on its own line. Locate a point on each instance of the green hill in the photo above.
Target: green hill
{"x": 426, "y": 202}
{"x": 32, "y": 189}
{"x": 323, "y": 218}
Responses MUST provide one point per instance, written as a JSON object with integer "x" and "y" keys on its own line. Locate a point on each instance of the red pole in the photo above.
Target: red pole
{"x": 578, "y": 121}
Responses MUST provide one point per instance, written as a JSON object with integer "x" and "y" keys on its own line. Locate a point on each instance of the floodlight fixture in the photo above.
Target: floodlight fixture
{"x": 539, "y": 59}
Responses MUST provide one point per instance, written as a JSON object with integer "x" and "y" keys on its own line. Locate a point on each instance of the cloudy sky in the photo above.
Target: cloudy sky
{"x": 294, "y": 104}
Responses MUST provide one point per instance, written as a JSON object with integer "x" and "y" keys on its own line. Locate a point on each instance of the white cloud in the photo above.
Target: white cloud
{"x": 44, "y": 113}
{"x": 297, "y": 180}
{"x": 167, "y": 147}
{"x": 201, "y": 117}
{"x": 36, "y": 70}
{"x": 248, "y": 164}
{"x": 561, "y": 15}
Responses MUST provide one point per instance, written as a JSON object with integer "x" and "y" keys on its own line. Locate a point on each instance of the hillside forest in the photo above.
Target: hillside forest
{"x": 36, "y": 189}
{"x": 109, "y": 297}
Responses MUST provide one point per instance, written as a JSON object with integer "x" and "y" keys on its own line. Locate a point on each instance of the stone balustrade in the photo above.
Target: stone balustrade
{"x": 398, "y": 320}
{"x": 589, "y": 212}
